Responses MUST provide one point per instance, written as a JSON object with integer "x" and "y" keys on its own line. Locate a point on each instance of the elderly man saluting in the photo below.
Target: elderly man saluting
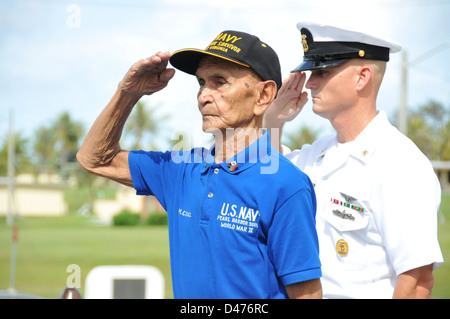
{"x": 239, "y": 227}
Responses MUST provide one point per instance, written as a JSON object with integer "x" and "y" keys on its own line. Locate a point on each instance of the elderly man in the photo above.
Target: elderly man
{"x": 237, "y": 228}
{"x": 377, "y": 194}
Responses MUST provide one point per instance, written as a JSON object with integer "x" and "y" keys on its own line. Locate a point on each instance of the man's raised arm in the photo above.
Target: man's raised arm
{"x": 100, "y": 153}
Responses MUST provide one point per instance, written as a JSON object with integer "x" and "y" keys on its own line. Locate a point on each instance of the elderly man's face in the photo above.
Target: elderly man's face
{"x": 227, "y": 95}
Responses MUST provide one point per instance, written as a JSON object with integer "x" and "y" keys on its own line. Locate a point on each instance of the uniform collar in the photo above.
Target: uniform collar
{"x": 369, "y": 139}
{"x": 244, "y": 159}
{"x": 364, "y": 146}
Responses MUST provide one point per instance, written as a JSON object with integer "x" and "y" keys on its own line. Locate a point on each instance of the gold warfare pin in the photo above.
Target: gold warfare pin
{"x": 342, "y": 247}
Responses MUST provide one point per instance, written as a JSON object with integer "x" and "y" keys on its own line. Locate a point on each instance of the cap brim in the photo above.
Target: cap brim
{"x": 187, "y": 60}
{"x": 312, "y": 65}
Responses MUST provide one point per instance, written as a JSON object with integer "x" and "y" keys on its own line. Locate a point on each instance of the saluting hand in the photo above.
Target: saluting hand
{"x": 289, "y": 102}
{"x": 148, "y": 76}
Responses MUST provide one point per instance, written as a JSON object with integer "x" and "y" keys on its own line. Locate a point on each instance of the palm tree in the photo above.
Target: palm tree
{"x": 141, "y": 123}
{"x": 22, "y": 158}
{"x": 44, "y": 149}
{"x": 67, "y": 133}
{"x": 305, "y": 135}
{"x": 144, "y": 122}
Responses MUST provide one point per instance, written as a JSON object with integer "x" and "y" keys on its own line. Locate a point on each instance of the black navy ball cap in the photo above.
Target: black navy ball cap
{"x": 238, "y": 47}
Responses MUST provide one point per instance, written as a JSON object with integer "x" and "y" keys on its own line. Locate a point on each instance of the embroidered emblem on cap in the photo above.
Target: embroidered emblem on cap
{"x": 305, "y": 43}
{"x": 223, "y": 42}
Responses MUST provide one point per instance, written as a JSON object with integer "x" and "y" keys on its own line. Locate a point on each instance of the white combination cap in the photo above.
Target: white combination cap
{"x": 327, "y": 46}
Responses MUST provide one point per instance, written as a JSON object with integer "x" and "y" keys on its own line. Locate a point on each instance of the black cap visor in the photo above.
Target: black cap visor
{"x": 318, "y": 65}
{"x": 187, "y": 60}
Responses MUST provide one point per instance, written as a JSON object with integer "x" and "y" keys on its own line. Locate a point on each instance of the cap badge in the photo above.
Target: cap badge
{"x": 305, "y": 43}
{"x": 342, "y": 247}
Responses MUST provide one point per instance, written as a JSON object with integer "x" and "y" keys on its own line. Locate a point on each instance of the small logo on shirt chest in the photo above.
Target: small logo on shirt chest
{"x": 184, "y": 213}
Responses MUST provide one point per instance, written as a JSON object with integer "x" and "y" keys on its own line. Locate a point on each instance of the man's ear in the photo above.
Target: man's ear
{"x": 364, "y": 76}
{"x": 268, "y": 92}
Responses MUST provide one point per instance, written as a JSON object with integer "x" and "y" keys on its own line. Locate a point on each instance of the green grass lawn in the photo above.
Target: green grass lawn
{"x": 48, "y": 245}
{"x": 442, "y": 274}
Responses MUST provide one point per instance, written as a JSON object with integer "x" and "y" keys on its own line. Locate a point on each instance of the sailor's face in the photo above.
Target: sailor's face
{"x": 332, "y": 89}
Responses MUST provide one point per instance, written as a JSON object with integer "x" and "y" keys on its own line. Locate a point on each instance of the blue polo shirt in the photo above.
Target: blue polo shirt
{"x": 235, "y": 231}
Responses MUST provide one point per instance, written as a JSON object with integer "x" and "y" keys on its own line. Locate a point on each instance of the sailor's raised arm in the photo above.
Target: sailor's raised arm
{"x": 289, "y": 103}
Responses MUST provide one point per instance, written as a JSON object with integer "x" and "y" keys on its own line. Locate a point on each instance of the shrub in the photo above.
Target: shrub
{"x": 126, "y": 218}
{"x": 157, "y": 219}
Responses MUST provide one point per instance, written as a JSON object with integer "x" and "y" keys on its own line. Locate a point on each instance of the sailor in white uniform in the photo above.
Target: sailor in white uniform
{"x": 377, "y": 194}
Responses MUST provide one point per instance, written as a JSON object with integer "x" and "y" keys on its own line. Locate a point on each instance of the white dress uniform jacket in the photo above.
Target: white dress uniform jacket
{"x": 377, "y": 204}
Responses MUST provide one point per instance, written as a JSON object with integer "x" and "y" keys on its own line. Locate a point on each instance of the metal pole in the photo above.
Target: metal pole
{"x": 403, "y": 110}
{"x": 11, "y": 159}
{"x": 11, "y": 203}
{"x": 12, "y": 274}
{"x": 403, "y": 107}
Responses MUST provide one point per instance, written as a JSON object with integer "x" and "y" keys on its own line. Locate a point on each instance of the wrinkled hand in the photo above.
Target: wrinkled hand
{"x": 289, "y": 102}
{"x": 148, "y": 76}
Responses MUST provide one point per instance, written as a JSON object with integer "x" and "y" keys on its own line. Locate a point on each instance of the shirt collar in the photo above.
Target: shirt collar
{"x": 370, "y": 137}
{"x": 244, "y": 159}
{"x": 365, "y": 144}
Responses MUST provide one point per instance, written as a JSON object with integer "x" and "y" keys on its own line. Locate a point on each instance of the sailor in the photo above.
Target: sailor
{"x": 377, "y": 194}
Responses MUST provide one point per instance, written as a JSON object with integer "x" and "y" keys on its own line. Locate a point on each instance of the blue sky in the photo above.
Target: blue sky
{"x": 69, "y": 55}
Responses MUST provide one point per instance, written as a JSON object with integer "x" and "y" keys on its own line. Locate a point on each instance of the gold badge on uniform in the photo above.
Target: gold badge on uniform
{"x": 342, "y": 247}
